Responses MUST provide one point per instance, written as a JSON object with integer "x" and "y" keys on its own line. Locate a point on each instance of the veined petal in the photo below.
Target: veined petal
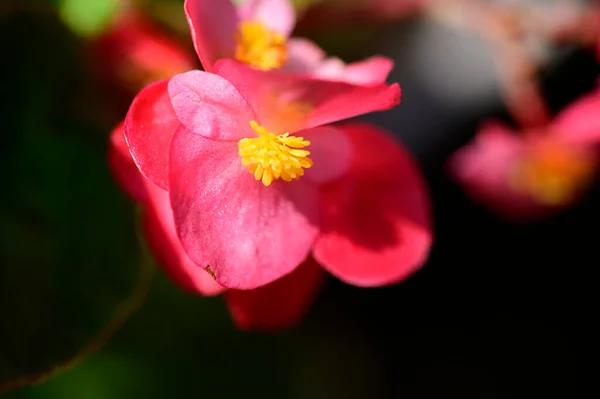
{"x": 279, "y": 305}
{"x": 248, "y": 234}
{"x": 161, "y": 236}
{"x": 209, "y": 106}
{"x": 288, "y": 102}
{"x": 303, "y": 56}
{"x": 213, "y": 24}
{"x": 331, "y": 151}
{"x": 148, "y": 127}
{"x": 376, "y": 226}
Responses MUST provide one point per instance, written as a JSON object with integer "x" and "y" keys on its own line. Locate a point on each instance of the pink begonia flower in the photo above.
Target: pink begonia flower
{"x": 257, "y": 33}
{"x": 231, "y": 149}
{"x": 526, "y": 176}
{"x": 375, "y": 227}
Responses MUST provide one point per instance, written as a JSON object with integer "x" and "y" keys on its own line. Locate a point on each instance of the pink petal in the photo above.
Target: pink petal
{"x": 288, "y": 102}
{"x": 376, "y": 226}
{"x": 580, "y": 121}
{"x": 303, "y": 56}
{"x": 373, "y": 70}
{"x": 213, "y": 24}
{"x": 331, "y": 152}
{"x": 483, "y": 168}
{"x": 122, "y": 167}
{"x": 159, "y": 229}
{"x": 148, "y": 127}
{"x": 249, "y": 234}
{"x": 209, "y": 106}
{"x": 279, "y": 305}
{"x": 277, "y": 15}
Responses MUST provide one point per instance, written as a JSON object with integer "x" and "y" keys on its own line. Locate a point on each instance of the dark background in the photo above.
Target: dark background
{"x": 498, "y": 311}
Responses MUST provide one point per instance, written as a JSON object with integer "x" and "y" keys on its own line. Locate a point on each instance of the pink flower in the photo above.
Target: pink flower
{"x": 257, "y": 33}
{"x": 362, "y": 209}
{"x": 530, "y": 175}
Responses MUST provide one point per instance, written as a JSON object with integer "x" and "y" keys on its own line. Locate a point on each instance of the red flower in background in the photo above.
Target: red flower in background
{"x": 529, "y": 175}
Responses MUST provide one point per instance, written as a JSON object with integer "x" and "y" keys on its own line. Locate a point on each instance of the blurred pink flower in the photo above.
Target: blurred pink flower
{"x": 134, "y": 51}
{"x": 529, "y": 175}
{"x": 257, "y": 33}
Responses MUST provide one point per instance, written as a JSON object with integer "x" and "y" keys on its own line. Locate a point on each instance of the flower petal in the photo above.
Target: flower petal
{"x": 376, "y": 221}
{"x": 303, "y": 56}
{"x": 122, "y": 167}
{"x": 484, "y": 166}
{"x": 330, "y": 151}
{"x": 580, "y": 121}
{"x": 278, "y": 15}
{"x": 213, "y": 24}
{"x": 208, "y": 105}
{"x": 249, "y": 234}
{"x": 288, "y": 102}
{"x": 373, "y": 70}
{"x": 148, "y": 127}
{"x": 160, "y": 233}
{"x": 279, "y": 305}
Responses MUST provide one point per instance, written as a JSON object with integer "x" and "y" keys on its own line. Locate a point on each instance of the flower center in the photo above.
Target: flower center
{"x": 259, "y": 46}
{"x": 554, "y": 174}
{"x": 270, "y": 157}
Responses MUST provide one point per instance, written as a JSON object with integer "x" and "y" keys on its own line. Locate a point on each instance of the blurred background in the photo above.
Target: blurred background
{"x": 497, "y": 311}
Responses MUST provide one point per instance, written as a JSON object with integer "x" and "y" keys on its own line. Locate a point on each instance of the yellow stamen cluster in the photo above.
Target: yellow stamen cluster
{"x": 554, "y": 175}
{"x": 270, "y": 157}
{"x": 259, "y": 46}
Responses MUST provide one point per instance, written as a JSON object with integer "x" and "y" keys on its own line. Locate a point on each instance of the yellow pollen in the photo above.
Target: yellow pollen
{"x": 270, "y": 157}
{"x": 554, "y": 174}
{"x": 259, "y": 46}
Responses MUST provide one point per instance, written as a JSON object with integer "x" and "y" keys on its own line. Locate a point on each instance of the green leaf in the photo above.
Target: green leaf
{"x": 71, "y": 266}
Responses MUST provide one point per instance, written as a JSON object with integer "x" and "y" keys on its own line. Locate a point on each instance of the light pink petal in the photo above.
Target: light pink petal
{"x": 278, "y": 15}
{"x": 209, "y": 106}
{"x": 288, "y": 102}
{"x": 148, "y": 127}
{"x": 373, "y": 70}
{"x": 331, "y": 152}
{"x": 213, "y": 24}
{"x": 159, "y": 229}
{"x": 303, "y": 56}
{"x": 279, "y": 305}
{"x": 376, "y": 226}
{"x": 580, "y": 121}
{"x": 122, "y": 167}
{"x": 484, "y": 167}
{"x": 249, "y": 234}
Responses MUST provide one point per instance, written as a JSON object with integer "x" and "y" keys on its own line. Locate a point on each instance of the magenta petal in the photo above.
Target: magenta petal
{"x": 376, "y": 226}
{"x": 208, "y": 105}
{"x": 148, "y": 127}
{"x": 278, "y": 15}
{"x": 288, "y": 102}
{"x": 249, "y": 234}
{"x": 213, "y": 24}
{"x": 580, "y": 121}
{"x": 159, "y": 229}
{"x": 279, "y": 305}
{"x": 331, "y": 152}
{"x": 122, "y": 167}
